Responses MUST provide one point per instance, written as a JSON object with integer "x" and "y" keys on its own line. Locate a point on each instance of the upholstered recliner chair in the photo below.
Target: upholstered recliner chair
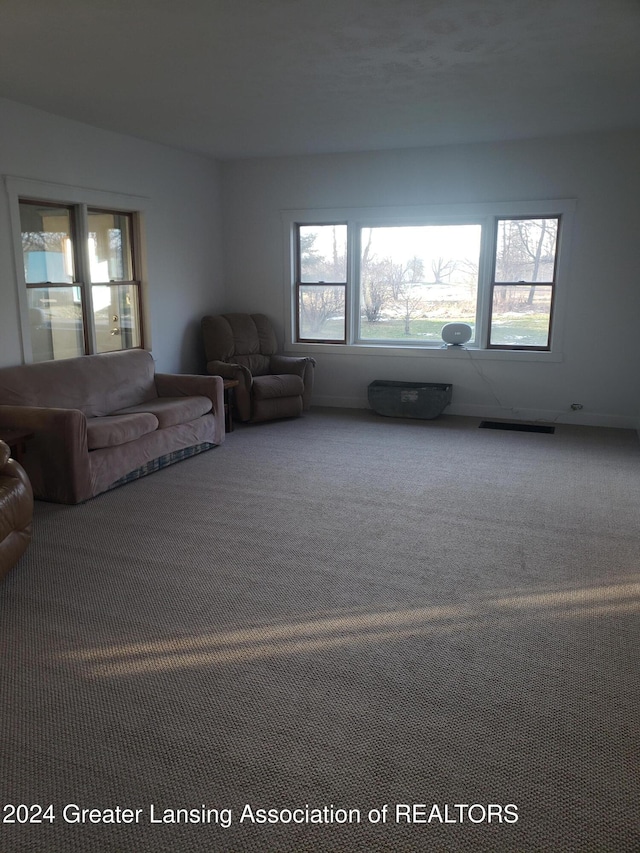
{"x": 16, "y": 510}
{"x": 243, "y": 347}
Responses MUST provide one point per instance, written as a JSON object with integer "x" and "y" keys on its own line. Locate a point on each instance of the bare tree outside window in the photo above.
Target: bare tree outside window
{"x": 322, "y": 262}
{"x": 526, "y": 250}
{"x": 420, "y": 269}
{"x": 398, "y": 299}
{"x": 524, "y": 281}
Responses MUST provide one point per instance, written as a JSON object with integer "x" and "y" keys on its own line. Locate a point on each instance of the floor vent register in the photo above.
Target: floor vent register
{"x": 520, "y": 427}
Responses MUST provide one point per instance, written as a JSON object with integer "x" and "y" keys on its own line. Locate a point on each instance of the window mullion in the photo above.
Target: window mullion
{"x": 485, "y": 279}
{"x": 84, "y": 276}
{"x": 353, "y": 277}
{"x": 23, "y": 301}
{"x": 139, "y": 275}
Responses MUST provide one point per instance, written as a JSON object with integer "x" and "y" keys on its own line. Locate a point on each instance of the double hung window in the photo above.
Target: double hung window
{"x": 82, "y": 279}
{"x": 321, "y": 263}
{"x": 523, "y": 282}
{"x": 396, "y": 281}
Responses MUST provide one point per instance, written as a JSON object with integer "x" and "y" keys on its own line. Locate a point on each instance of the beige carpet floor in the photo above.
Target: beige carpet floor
{"x": 349, "y": 620}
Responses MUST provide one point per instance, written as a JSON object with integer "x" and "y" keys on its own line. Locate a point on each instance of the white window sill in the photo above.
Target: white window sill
{"x": 423, "y": 352}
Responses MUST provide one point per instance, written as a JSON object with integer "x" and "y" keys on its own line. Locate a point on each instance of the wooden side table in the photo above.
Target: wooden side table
{"x": 229, "y": 385}
{"x": 17, "y": 441}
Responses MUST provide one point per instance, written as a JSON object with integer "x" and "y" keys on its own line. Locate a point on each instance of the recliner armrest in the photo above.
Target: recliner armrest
{"x": 230, "y": 370}
{"x": 291, "y": 364}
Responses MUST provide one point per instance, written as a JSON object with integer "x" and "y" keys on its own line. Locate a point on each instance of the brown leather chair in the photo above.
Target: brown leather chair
{"x": 244, "y": 347}
{"x": 16, "y": 510}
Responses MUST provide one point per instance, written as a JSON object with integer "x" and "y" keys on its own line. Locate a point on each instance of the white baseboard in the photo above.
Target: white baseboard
{"x": 340, "y": 402}
{"x": 580, "y": 418}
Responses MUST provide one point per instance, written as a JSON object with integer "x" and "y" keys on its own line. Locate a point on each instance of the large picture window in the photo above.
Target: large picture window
{"x": 80, "y": 271}
{"x": 413, "y": 279}
{"x": 395, "y": 280}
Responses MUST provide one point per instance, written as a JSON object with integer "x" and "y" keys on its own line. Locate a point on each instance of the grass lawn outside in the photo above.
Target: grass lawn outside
{"x": 510, "y": 329}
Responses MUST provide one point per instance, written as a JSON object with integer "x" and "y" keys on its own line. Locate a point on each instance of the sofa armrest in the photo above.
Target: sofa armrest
{"x": 192, "y": 385}
{"x": 56, "y": 460}
{"x": 70, "y": 425}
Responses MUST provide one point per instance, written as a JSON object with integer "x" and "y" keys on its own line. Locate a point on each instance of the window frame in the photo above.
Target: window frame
{"x": 357, "y": 302}
{"x": 552, "y": 284}
{"x": 80, "y": 200}
{"x": 299, "y": 284}
{"x": 484, "y": 213}
{"x": 134, "y": 282}
{"x": 78, "y": 266}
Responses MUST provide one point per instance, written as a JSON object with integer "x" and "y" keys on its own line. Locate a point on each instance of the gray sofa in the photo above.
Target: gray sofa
{"x": 100, "y": 420}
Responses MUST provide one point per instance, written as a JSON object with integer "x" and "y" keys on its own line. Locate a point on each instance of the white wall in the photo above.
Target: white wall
{"x": 187, "y": 212}
{"x": 182, "y": 221}
{"x": 600, "y": 362}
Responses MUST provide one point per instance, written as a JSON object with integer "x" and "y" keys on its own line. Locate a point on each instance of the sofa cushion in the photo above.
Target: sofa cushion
{"x": 281, "y": 385}
{"x": 172, "y": 410}
{"x": 112, "y": 430}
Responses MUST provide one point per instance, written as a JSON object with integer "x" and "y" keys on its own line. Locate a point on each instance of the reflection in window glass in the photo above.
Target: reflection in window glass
{"x": 55, "y": 321}
{"x": 116, "y": 316}
{"x": 47, "y": 248}
{"x": 110, "y": 255}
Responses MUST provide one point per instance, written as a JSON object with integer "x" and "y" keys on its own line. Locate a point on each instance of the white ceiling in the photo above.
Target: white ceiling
{"x": 244, "y": 78}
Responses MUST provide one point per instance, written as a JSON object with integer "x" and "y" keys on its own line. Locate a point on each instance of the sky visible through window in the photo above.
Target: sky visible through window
{"x": 429, "y": 243}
